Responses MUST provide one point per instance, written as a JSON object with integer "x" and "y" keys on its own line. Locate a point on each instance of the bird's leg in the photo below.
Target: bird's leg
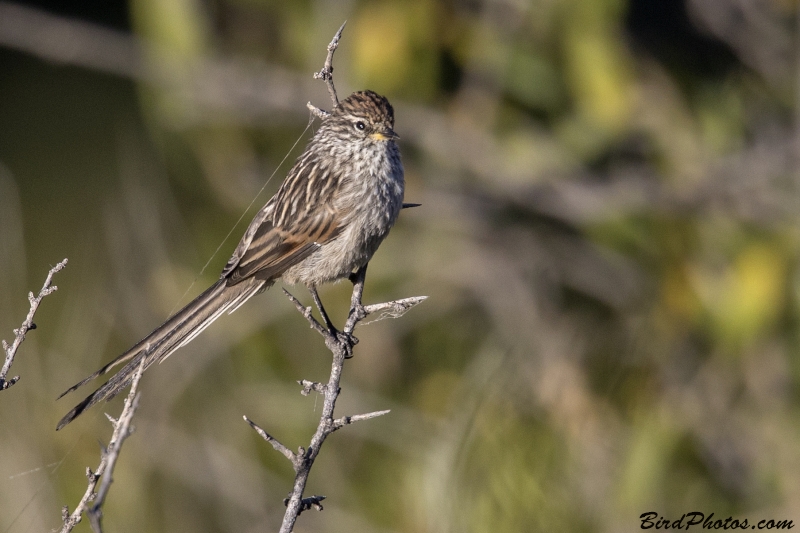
{"x": 357, "y": 311}
{"x": 344, "y": 339}
{"x": 327, "y": 321}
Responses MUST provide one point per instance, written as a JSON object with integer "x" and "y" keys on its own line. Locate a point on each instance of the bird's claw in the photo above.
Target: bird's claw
{"x": 346, "y": 341}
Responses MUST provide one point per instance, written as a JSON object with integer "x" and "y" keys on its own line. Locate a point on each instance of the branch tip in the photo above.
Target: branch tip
{"x": 393, "y": 309}
{"x": 347, "y": 420}
{"x": 10, "y": 351}
{"x": 317, "y": 112}
{"x": 273, "y": 441}
{"x": 326, "y": 73}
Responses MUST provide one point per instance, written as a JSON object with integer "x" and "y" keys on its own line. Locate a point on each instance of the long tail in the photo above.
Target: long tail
{"x": 177, "y": 331}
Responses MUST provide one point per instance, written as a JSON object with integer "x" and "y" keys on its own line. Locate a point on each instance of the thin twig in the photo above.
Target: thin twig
{"x": 347, "y": 420}
{"x": 289, "y": 454}
{"x": 306, "y": 312}
{"x": 27, "y": 325}
{"x": 122, "y": 430}
{"x": 357, "y": 312}
{"x": 341, "y": 344}
{"x": 321, "y": 113}
{"x": 325, "y": 319}
{"x": 326, "y": 74}
{"x": 393, "y": 309}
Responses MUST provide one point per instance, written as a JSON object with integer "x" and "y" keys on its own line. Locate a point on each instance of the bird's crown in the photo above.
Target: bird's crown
{"x": 367, "y": 104}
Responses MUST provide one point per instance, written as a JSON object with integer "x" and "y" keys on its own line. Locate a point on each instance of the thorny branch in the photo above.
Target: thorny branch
{"x": 341, "y": 344}
{"x": 122, "y": 430}
{"x": 326, "y": 74}
{"x": 19, "y": 333}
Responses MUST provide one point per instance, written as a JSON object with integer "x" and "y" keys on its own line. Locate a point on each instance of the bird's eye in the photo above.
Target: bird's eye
{"x": 360, "y": 125}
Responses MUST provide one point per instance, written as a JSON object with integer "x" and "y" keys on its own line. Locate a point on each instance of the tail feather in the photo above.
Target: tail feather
{"x": 110, "y": 389}
{"x": 177, "y": 331}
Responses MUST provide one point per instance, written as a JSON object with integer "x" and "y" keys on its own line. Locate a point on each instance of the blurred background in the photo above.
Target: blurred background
{"x": 609, "y": 237}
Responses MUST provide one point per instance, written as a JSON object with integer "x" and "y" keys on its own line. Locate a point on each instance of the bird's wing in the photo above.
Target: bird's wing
{"x": 261, "y": 218}
{"x": 274, "y": 249}
{"x": 296, "y": 222}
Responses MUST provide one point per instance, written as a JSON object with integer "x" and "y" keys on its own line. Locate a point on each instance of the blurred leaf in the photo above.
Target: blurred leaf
{"x": 647, "y": 461}
{"x": 747, "y": 297}
{"x": 178, "y": 25}
{"x": 597, "y": 64}
{"x": 534, "y": 81}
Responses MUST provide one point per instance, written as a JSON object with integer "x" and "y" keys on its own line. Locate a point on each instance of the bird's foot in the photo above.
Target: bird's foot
{"x": 347, "y": 341}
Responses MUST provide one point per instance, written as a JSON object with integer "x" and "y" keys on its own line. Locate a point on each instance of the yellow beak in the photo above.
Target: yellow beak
{"x": 386, "y": 135}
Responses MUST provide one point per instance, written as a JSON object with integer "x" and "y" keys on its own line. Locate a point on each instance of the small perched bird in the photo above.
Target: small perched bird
{"x": 335, "y": 207}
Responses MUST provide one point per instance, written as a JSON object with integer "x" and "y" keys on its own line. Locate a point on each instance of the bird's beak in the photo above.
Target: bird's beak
{"x": 386, "y": 134}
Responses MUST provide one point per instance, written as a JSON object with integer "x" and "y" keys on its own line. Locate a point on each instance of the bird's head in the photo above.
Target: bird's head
{"x": 365, "y": 115}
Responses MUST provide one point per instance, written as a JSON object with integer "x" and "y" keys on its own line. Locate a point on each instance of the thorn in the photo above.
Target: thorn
{"x": 335, "y": 42}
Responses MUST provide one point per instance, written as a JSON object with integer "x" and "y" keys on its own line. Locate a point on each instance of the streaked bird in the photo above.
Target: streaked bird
{"x": 336, "y": 205}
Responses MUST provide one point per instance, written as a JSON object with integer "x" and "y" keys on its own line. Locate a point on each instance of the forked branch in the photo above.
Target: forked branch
{"x": 341, "y": 344}
{"x": 10, "y": 351}
{"x": 326, "y": 74}
{"x": 105, "y": 470}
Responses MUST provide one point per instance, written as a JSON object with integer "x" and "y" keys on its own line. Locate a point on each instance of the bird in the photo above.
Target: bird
{"x": 332, "y": 211}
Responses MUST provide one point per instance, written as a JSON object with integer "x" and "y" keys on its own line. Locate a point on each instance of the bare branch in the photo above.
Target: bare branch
{"x": 325, "y": 319}
{"x": 308, "y": 386}
{"x": 321, "y": 113}
{"x": 27, "y": 325}
{"x": 326, "y": 74}
{"x": 341, "y": 344}
{"x": 306, "y": 312}
{"x": 346, "y": 420}
{"x": 357, "y": 312}
{"x": 122, "y": 430}
{"x": 289, "y": 454}
{"x": 394, "y": 309}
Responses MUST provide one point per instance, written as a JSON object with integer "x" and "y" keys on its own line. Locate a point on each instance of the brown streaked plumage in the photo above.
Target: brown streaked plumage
{"x": 336, "y": 205}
